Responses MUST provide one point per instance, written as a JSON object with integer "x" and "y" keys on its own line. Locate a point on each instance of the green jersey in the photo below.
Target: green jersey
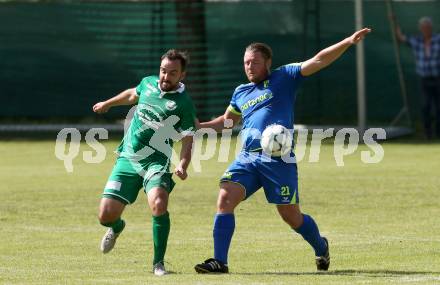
{"x": 158, "y": 119}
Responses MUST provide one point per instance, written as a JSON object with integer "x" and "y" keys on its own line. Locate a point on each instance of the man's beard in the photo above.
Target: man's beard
{"x": 168, "y": 86}
{"x": 254, "y": 79}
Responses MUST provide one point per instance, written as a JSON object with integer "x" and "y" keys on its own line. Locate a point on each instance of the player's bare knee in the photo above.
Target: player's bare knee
{"x": 106, "y": 216}
{"x": 159, "y": 206}
{"x": 226, "y": 202}
{"x": 103, "y": 219}
{"x": 158, "y": 201}
{"x": 110, "y": 210}
{"x": 223, "y": 202}
{"x": 229, "y": 197}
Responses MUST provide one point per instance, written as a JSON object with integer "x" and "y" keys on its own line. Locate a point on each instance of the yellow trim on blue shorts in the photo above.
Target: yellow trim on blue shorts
{"x": 294, "y": 198}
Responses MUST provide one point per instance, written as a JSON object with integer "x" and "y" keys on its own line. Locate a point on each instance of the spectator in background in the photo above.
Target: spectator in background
{"x": 426, "y": 49}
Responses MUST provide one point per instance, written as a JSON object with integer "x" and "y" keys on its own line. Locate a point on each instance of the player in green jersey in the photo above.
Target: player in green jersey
{"x": 164, "y": 113}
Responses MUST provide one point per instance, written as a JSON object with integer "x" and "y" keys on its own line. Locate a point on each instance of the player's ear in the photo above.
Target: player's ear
{"x": 268, "y": 64}
{"x": 182, "y": 75}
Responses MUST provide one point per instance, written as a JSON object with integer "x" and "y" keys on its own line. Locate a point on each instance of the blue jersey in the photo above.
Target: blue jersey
{"x": 268, "y": 102}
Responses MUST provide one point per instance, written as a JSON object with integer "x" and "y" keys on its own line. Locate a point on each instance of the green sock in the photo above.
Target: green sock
{"x": 117, "y": 225}
{"x": 161, "y": 229}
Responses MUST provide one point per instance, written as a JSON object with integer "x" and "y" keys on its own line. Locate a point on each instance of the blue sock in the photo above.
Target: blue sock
{"x": 224, "y": 225}
{"x": 310, "y": 232}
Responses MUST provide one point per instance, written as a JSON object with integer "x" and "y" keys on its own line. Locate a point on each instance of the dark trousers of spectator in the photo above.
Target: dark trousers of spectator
{"x": 431, "y": 100}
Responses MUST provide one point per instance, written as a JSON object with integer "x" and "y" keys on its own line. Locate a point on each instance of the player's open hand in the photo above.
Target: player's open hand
{"x": 181, "y": 172}
{"x": 100, "y": 108}
{"x": 359, "y": 35}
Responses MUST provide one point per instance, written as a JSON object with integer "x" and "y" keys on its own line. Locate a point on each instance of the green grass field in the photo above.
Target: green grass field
{"x": 382, "y": 220}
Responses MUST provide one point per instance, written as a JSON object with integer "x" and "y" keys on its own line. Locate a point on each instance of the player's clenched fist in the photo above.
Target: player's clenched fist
{"x": 181, "y": 172}
{"x": 100, "y": 108}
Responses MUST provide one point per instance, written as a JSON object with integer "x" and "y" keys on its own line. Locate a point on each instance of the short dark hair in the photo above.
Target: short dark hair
{"x": 174, "y": 54}
{"x": 265, "y": 50}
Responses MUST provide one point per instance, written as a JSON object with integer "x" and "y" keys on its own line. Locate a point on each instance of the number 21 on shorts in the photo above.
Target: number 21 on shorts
{"x": 285, "y": 191}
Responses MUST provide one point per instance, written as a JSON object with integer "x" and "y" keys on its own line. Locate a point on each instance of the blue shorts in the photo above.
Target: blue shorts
{"x": 278, "y": 178}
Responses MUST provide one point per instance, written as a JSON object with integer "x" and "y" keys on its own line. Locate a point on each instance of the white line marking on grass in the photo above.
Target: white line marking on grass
{"x": 418, "y": 278}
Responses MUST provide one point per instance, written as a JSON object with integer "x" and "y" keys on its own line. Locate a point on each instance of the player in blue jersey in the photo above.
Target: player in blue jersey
{"x": 268, "y": 99}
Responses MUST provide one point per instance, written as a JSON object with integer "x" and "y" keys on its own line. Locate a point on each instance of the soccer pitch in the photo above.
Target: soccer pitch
{"x": 382, "y": 221}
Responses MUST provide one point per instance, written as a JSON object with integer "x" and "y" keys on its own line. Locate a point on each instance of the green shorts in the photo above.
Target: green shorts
{"x": 125, "y": 182}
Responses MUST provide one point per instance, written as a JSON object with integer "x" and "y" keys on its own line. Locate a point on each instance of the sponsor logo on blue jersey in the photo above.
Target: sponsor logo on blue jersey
{"x": 266, "y": 96}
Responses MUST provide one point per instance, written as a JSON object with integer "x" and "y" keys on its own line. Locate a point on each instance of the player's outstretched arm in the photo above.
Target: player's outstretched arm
{"x": 328, "y": 55}
{"x": 127, "y": 97}
{"x": 185, "y": 157}
{"x": 225, "y": 121}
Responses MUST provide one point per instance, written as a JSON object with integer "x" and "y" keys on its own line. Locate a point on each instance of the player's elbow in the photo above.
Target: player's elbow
{"x": 312, "y": 66}
{"x": 132, "y": 97}
{"x": 132, "y": 100}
